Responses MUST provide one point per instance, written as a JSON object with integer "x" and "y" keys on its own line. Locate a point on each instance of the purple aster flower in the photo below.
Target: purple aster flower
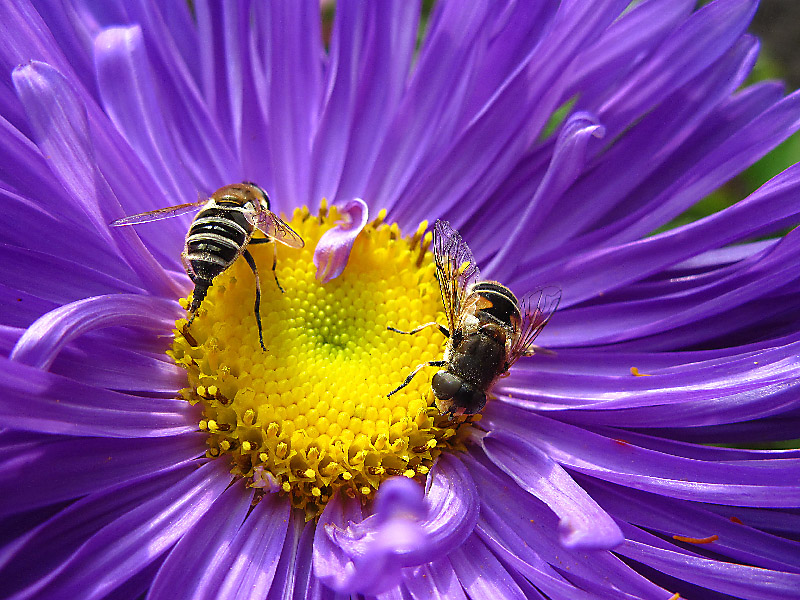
{"x": 147, "y": 457}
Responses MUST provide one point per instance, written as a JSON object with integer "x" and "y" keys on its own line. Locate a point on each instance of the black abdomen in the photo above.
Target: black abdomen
{"x": 215, "y": 240}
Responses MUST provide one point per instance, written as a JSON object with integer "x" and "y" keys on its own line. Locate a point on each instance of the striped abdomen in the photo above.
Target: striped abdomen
{"x": 503, "y": 304}
{"x": 215, "y": 239}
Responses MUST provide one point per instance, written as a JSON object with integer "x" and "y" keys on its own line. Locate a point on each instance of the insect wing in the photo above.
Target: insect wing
{"x": 273, "y": 226}
{"x": 536, "y": 309}
{"x": 158, "y": 214}
{"x": 456, "y": 269}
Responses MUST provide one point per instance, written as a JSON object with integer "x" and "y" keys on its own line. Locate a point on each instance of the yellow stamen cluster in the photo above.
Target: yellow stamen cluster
{"x": 310, "y": 415}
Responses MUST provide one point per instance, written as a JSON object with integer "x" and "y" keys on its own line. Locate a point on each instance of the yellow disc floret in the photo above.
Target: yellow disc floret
{"x": 311, "y": 415}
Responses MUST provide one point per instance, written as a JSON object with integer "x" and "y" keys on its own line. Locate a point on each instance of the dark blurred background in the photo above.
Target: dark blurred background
{"x": 777, "y": 23}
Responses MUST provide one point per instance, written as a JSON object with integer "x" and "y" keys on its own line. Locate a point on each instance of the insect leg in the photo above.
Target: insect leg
{"x": 442, "y": 328}
{"x": 249, "y": 258}
{"x": 274, "y": 258}
{"x": 432, "y": 363}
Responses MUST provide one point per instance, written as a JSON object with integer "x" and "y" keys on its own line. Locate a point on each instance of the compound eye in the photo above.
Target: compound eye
{"x": 445, "y": 385}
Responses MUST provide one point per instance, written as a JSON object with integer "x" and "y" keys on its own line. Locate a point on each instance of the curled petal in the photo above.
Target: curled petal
{"x": 406, "y": 529}
{"x": 582, "y": 523}
{"x": 333, "y": 249}
{"x": 43, "y": 340}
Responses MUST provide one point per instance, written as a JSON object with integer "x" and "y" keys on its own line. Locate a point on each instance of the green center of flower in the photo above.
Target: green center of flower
{"x": 311, "y": 415}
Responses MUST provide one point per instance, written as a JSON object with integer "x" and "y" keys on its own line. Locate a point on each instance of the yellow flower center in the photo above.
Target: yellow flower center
{"x": 310, "y": 415}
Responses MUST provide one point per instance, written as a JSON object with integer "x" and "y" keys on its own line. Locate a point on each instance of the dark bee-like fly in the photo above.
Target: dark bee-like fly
{"x": 220, "y": 233}
{"x": 488, "y": 329}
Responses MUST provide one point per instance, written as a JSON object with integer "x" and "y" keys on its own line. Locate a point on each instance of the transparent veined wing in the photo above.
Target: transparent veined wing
{"x": 536, "y": 309}
{"x": 456, "y": 269}
{"x": 276, "y": 228}
{"x": 158, "y": 214}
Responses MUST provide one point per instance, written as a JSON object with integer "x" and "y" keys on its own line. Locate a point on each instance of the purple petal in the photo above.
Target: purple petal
{"x": 34, "y": 400}
{"x": 293, "y": 576}
{"x": 582, "y": 523}
{"x": 705, "y": 36}
{"x": 434, "y": 581}
{"x": 293, "y": 48}
{"x": 626, "y": 43}
{"x": 481, "y": 574}
{"x": 26, "y": 567}
{"x": 765, "y": 483}
{"x": 331, "y": 139}
{"x": 525, "y": 528}
{"x": 453, "y": 510}
{"x": 431, "y": 102}
{"x": 128, "y": 93}
{"x": 251, "y": 564}
{"x": 62, "y": 469}
{"x": 61, "y": 129}
{"x": 367, "y": 556}
{"x": 55, "y": 277}
{"x": 43, "y": 340}
{"x": 741, "y": 581}
{"x": 648, "y": 144}
{"x": 668, "y": 517}
{"x": 352, "y": 556}
{"x": 488, "y": 148}
{"x": 187, "y": 573}
{"x": 386, "y": 62}
{"x": 171, "y": 37}
{"x": 333, "y": 248}
{"x": 138, "y": 537}
{"x": 565, "y": 166}
{"x": 585, "y": 276}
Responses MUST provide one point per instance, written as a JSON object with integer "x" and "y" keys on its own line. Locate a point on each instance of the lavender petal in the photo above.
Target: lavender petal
{"x": 582, "y": 523}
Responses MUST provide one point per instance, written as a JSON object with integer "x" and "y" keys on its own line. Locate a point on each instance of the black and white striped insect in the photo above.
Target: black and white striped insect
{"x": 220, "y": 233}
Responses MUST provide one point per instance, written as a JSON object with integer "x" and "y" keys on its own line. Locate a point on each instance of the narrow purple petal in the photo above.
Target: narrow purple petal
{"x": 138, "y": 537}
{"x": 34, "y": 400}
{"x": 741, "y": 581}
{"x": 62, "y": 469}
{"x": 582, "y": 523}
{"x": 41, "y": 343}
{"x": 454, "y": 507}
{"x": 586, "y": 275}
{"x": 487, "y": 149}
{"x": 387, "y": 53}
{"x": 23, "y": 564}
{"x": 654, "y": 140}
{"x": 566, "y": 165}
{"x": 765, "y": 483}
{"x": 435, "y": 93}
{"x": 55, "y": 277}
{"x": 434, "y": 581}
{"x": 525, "y": 528}
{"x": 293, "y": 576}
{"x": 333, "y": 248}
{"x": 203, "y": 144}
{"x": 253, "y": 560}
{"x": 668, "y": 517}
{"x": 189, "y": 573}
{"x": 700, "y": 40}
{"x": 128, "y": 93}
{"x": 61, "y": 129}
{"x": 626, "y": 43}
{"x": 481, "y": 574}
{"x": 294, "y": 51}
{"x": 344, "y": 63}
